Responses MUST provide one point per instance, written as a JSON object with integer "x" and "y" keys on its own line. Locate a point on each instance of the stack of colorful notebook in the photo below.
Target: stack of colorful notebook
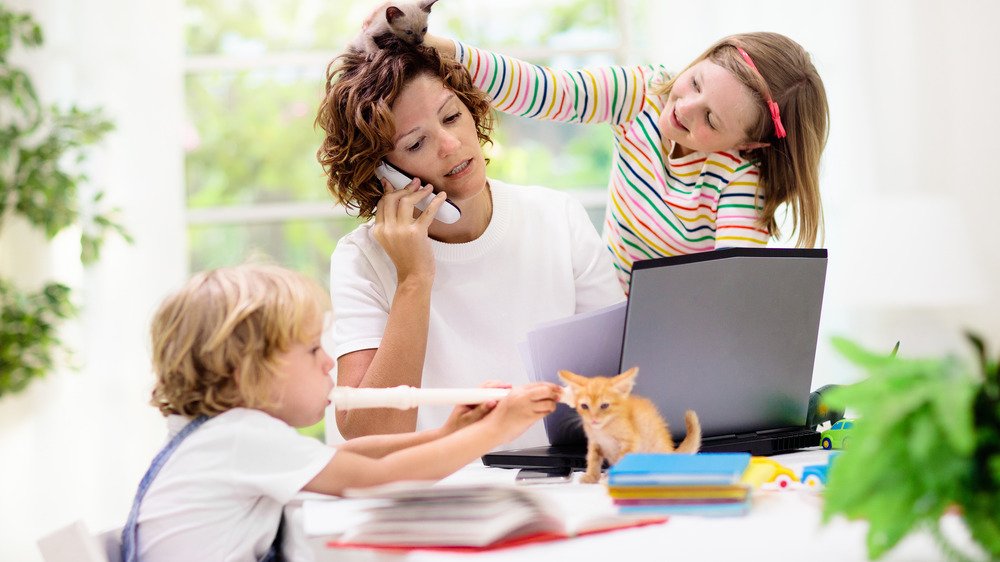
{"x": 702, "y": 484}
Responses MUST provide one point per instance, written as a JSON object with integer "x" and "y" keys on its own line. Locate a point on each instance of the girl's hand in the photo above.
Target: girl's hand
{"x": 524, "y": 406}
{"x": 462, "y": 416}
{"x": 402, "y": 237}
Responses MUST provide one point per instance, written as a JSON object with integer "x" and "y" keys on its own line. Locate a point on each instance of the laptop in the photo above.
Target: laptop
{"x": 730, "y": 334}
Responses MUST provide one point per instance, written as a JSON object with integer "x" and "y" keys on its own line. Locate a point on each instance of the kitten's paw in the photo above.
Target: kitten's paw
{"x": 590, "y": 478}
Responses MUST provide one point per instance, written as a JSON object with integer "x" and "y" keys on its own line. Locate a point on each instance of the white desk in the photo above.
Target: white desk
{"x": 781, "y": 525}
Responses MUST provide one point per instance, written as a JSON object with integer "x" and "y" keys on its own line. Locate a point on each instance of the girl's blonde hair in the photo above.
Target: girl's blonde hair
{"x": 215, "y": 340}
{"x": 356, "y": 114}
{"x": 789, "y": 167}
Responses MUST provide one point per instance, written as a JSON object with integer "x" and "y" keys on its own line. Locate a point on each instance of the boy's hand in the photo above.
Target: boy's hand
{"x": 524, "y": 406}
{"x": 462, "y": 416}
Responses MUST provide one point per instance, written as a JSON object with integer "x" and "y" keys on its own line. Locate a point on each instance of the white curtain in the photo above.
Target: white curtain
{"x": 75, "y": 444}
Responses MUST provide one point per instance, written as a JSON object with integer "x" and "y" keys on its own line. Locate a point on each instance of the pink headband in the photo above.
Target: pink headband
{"x": 779, "y": 129}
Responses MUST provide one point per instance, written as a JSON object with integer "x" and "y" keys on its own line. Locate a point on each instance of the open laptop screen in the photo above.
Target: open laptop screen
{"x": 730, "y": 334}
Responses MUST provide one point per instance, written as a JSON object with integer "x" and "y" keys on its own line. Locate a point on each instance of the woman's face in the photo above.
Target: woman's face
{"x": 436, "y": 139}
{"x": 708, "y": 110}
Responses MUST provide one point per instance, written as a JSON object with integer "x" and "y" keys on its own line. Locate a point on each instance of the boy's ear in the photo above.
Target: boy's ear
{"x": 752, "y": 145}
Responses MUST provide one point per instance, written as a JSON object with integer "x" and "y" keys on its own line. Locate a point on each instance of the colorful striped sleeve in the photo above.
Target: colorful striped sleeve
{"x": 612, "y": 94}
{"x": 741, "y": 203}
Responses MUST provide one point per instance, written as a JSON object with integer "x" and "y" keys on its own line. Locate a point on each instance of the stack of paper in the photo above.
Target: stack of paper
{"x": 702, "y": 484}
{"x": 472, "y": 517}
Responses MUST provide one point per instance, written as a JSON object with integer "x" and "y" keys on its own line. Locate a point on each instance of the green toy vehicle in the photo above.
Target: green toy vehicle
{"x": 837, "y": 436}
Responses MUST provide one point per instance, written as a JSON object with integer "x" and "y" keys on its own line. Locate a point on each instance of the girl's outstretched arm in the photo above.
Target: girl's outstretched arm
{"x": 612, "y": 94}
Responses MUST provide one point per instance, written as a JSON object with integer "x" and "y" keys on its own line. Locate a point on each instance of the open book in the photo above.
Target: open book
{"x": 469, "y": 517}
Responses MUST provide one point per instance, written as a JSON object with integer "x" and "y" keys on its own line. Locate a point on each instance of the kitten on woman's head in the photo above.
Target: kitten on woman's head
{"x": 405, "y": 20}
{"x": 617, "y": 422}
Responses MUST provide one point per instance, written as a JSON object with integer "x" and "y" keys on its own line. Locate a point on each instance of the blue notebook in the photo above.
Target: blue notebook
{"x": 728, "y": 509}
{"x": 678, "y": 469}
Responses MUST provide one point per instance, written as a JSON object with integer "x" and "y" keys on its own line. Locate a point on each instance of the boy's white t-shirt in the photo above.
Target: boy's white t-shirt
{"x": 221, "y": 493}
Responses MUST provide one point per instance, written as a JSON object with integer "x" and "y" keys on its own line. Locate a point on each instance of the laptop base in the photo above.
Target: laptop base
{"x": 575, "y": 456}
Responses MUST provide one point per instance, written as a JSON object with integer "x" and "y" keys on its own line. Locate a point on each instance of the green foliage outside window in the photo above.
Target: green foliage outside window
{"x": 251, "y": 139}
{"x": 41, "y": 149}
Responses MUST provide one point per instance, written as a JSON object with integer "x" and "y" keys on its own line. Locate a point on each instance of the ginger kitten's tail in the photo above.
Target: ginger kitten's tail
{"x": 692, "y": 441}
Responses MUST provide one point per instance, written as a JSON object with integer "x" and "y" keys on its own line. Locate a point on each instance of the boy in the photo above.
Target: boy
{"x": 239, "y": 365}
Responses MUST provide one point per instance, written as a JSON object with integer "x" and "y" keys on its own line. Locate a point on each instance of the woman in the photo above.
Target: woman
{"x": 518, "y": 256}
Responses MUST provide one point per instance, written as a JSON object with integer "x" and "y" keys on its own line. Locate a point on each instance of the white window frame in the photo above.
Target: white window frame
{"x": 593, "y": 198}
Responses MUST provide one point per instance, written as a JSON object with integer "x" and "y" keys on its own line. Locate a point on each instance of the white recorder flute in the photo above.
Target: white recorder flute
{"x": 407, "y": 397}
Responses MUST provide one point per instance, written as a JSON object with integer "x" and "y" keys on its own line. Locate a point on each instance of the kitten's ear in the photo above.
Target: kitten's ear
{"x": 571, "y": 378}
{"x": 624, "y": 382}
{"x": 392, "y": 13}
{"x": 426, "y": 5}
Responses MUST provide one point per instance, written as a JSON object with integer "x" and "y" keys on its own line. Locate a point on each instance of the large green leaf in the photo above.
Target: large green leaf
{"x": 912, "y": 447}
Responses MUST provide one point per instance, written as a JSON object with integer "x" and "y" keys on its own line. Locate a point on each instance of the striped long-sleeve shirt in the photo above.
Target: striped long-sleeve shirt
{"x": 657, "y": 205}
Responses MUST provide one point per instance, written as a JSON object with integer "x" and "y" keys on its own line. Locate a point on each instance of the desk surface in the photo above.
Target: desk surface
{"x": 781, "y": 525}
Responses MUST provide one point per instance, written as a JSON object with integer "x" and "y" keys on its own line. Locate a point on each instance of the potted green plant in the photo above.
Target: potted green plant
{"x": 927, "y": 441}
{"x": 41, "y": 152}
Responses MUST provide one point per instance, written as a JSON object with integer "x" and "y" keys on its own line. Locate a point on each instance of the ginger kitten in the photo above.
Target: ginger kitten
{"x": 405, "y": 20}
{"x": 617, "y": 423}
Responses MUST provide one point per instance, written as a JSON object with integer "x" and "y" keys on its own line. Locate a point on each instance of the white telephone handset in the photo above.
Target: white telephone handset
{"x": 448, "y": 213}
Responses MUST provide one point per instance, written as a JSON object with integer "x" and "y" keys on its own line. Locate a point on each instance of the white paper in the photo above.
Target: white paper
{"x": 587, "y": 344}
{"x": 333, "y": 517}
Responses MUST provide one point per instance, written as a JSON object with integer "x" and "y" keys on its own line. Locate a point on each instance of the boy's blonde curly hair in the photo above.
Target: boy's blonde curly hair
{"x": 215, "y": 340}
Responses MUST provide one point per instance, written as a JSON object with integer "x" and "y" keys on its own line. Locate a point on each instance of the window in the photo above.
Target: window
{"x": 254, "y": 78}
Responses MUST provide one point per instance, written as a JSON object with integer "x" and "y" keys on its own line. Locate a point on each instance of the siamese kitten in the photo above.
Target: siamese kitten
{"x": 617, "y": 423}
{"x": 405, "y": 20}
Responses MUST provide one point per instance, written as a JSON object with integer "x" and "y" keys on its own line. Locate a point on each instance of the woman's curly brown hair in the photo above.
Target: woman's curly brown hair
{"x": 357, "y": 117}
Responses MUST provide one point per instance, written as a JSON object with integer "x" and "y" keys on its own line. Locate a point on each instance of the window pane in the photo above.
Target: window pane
{"x": 553, "y": 24}
{"x": 253, "y": 27}
{"x": 301, "y": 245}
{"x": 251, "y": 139}
{"x": 250, "y": 136}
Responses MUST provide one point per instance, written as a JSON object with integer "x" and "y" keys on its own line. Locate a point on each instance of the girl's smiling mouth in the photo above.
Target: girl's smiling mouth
{"x": 677, "y": 122}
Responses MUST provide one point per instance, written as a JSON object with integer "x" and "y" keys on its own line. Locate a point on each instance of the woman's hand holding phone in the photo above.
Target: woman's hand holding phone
{"x": 448, "y": 213}
{"x": 403, "y": 237}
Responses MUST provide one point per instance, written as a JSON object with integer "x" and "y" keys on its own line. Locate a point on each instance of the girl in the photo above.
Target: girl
{"x": 518, "y": 256}
{"x": 703, "y": 159}
{"x": 238, "y": 365}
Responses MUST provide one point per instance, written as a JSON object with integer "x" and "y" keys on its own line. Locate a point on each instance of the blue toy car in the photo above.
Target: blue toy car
{"x": 814, "y": 475}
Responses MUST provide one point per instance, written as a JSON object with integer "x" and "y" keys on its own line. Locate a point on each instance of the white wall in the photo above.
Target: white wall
{"x": 913, "y": 89}
{"x": 74, "y": 445}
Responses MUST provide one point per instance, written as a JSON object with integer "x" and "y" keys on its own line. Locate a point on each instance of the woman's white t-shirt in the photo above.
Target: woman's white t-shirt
{"x": 540, "y": 259}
